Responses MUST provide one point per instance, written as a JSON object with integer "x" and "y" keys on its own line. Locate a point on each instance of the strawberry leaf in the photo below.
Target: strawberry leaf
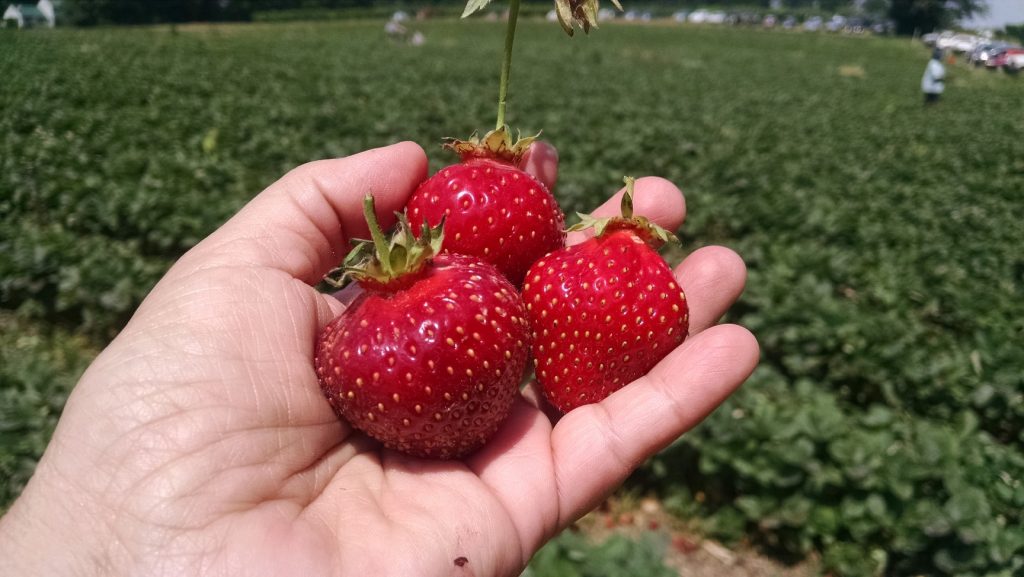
{"x": 588, "y": 221}
{"x": 474, "y": 6}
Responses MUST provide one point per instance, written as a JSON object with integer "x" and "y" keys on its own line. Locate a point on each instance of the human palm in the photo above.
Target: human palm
{"x": 199, "y": 442}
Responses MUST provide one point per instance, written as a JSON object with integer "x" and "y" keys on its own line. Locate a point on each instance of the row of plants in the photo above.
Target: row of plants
{"x": 884, "y": 428}
{"x": 573, "y": 554}
{"x": 875, "y": 492}
{"x": 38, "y": 368}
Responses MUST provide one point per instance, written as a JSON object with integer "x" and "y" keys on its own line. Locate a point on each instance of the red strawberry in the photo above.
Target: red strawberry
{"x": 492, "y": 209}
{"x": 428, "y": 360}
{"x": 605, "y": 311}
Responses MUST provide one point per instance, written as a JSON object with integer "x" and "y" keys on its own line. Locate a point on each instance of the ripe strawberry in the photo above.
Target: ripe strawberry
{"x": 428, "y": 360}
{"x": 492, "y": 209}
{"x": 605, "y": 311}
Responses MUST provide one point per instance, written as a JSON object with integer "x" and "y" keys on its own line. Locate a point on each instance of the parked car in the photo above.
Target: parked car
{"x": 1015, "y": 61}
{"x": 959, "y": 43}
{"x": 1010, "y": 60}
{"x": 813, "y": 23}
{"x": 706, "y": 17}
{"x": 716, "y": 17}
{"x": 746, "y": 19}
{"x": 965, "y": 43}
{"x": 994, "y": 56}
{"x": 980, "y": 55}
{"x": 883, "y": 28}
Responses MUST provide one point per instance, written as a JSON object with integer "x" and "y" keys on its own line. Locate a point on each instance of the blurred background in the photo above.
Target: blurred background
{"x": 882, "y": 434}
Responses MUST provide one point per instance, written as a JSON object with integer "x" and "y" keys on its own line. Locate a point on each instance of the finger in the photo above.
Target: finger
{"x": 653, "y": 197}
{"x": 348, "y": 294}
{"x": 541, "y": 161}
{"x": 712, "y": 278}
{"x": 597, "y": 446}
{"x": 533, "y": 394}
{"x": 301, "y": 224}
{"x": 521, "y": 444}
{"x": 337, "y": 302}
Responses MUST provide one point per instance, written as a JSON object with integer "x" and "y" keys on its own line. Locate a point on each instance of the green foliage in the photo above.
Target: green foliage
{"x": 115, "y": 12}
{"x": 885, "y": 426}
{"x": 92, "y": 12}
{"x": 1015, "y": 31}
{"x": 573, "y": 555}
{"x": 875, "y": 491}
{"x": 38, "y": 368}
{"x": 49, "y": 272}
{"x": 913, "y": 16}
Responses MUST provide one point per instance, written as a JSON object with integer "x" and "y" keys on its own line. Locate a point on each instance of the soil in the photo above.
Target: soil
{"x": 688, "y": 552}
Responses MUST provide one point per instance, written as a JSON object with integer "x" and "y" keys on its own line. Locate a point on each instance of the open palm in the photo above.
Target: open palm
{"x": 199, "y": 442}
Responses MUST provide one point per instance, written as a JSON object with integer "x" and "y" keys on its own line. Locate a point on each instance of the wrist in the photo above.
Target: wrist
{"x": 52, "y": 531}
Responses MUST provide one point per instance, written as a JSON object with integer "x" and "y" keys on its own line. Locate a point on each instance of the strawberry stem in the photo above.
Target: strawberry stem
{"x": 506, "y": 64}
{"x": 379, "y": 242}
{"x": 383, "y": 263}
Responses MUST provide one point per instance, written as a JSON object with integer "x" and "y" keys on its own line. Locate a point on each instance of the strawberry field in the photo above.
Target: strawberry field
{"x": 882, "y": 432}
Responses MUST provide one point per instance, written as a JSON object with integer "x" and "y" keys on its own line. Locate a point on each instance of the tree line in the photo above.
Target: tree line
{"x": 910, "y": 16}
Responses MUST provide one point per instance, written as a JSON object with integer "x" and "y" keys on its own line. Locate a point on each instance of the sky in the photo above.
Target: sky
{"x": 1000, "y": 13}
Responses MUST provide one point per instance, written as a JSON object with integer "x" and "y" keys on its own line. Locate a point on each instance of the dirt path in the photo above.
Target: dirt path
{"x": 690, "y": 554}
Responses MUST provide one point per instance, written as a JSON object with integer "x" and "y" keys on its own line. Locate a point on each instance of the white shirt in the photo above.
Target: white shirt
{"x": 934, "y": 73}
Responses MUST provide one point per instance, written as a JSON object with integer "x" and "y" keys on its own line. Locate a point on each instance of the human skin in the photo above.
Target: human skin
{"x": 198, "y": 442}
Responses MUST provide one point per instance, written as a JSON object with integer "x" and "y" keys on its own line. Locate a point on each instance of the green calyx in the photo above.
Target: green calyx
{"x": 651, "y": 233}
{"x": 496, "y": 144}
{"x": 381, "y": 261}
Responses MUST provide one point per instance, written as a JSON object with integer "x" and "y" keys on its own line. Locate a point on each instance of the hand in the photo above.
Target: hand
{"x": 198, "y": 442}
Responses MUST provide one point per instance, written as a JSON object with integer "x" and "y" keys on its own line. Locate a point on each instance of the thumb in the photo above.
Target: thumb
{"x": 302, "y": 223}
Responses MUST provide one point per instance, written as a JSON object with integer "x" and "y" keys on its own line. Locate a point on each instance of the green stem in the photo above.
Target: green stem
{"x": 379, "y": 242}
{"x": 506, "y": 64}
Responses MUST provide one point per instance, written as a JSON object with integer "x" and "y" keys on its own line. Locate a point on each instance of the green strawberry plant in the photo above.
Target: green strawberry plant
{"x": 883, "y": 244}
